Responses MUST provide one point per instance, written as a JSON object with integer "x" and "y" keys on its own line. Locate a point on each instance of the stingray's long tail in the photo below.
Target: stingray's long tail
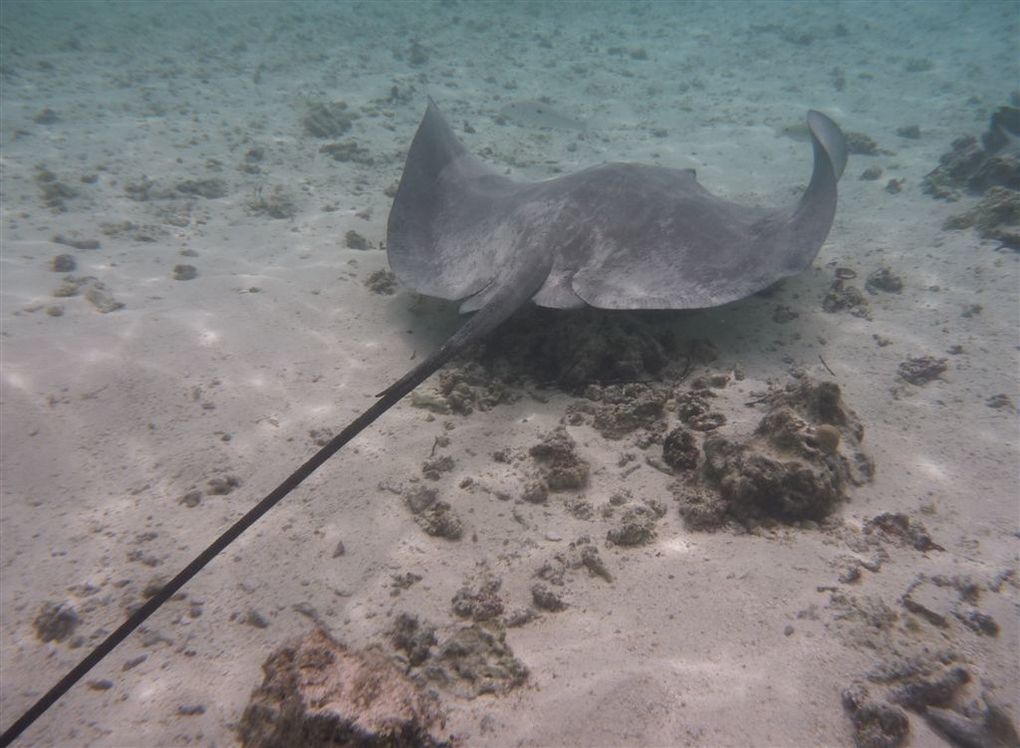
{"x": 508, "y": 297}
{"x": 481, "y": 323}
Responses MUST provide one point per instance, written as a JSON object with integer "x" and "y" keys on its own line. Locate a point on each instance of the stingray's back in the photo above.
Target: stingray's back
{"x": 616, "y": 236}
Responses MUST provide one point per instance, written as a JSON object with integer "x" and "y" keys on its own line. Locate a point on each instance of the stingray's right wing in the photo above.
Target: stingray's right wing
{"x": 655, "y": 239}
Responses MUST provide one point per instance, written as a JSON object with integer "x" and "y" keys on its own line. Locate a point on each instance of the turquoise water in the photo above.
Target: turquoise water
{"x": 217, "y": 178}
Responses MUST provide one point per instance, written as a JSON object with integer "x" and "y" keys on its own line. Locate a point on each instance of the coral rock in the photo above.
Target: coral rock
{"x": 318, "y": 692}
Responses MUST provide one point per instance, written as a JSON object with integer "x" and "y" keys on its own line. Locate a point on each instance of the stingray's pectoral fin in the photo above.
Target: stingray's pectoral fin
{"x": 826, "y": 133}
{"x": 806, "y": 229}
{"x": 792, "y": 241}
{"x": 667, "y": 243}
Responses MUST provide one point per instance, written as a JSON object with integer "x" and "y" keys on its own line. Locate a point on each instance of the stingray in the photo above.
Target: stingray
{"x": 615, "y": 236}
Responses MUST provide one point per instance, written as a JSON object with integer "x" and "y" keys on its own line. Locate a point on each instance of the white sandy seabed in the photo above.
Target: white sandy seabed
{"x": 702, "y": 638}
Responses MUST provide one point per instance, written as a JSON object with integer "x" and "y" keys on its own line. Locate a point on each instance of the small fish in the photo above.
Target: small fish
{"x": 539, "y": 115}
{"x": 798, "y": 131}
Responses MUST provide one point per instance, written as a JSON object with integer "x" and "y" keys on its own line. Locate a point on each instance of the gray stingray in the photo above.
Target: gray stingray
{"x": 617, "y": 236}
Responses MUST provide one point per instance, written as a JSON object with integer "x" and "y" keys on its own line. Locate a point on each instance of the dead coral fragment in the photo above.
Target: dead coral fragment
{"x": 584, "y": 347}
{"x": 63, "y": 264}
{"x": 680, "y": 449}
{"x": 354, "y": 240}
{"x": 827, "y": 438}
{"x": 996, "y": 216}
{"x": 535, "y": 492}
{"x": 754, "y": 483}
{"x": 439, "y": 520}
{"x": 794, "y": 466}
{"x": 348, "y": 151}
{"x": 276, "y": 203}
{"x": 328, "y": 120}
{"x": 923, "y": 369}
{"x": 382, "y": 282}
{"x": 977, "y": 167}
{"x": 883, "y": 279}
{"x": 210, "y": 189}
{"x": 876, "y": 724}
{"x": 476, "y": 660}
{"x": 820, "y": 402}
{"x": 990, "y": 726}
{"x": 464, "y": 389}
{"x": 620, "y": 409}
{"x": 1001, "y": 401}
{"x": 919, "y": 692}
{"x": 545, "y": 599}
{"x": 185, "y": 272}
{"x": 53, "y": 192}
{"x": 695, "y": 410}
{"x": 318, "y": 693}
{"x": 414, "y": 638}
{"x": 76, "y": 243}
{"x": 901, "y": 529}
{"x": 861, "y": 144}
{"x": 98, "y": 296}
{"x": 702, "y": 509}
{"x": 844, "y": 297}
{"x": 481, "y": 603}
{"x": 560, "y": 467}
{"x": 55, "y": 622}
{"x": 434, "y": 467}
{"x": 435, "y": 517}
{"x": 637, "y": 526}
